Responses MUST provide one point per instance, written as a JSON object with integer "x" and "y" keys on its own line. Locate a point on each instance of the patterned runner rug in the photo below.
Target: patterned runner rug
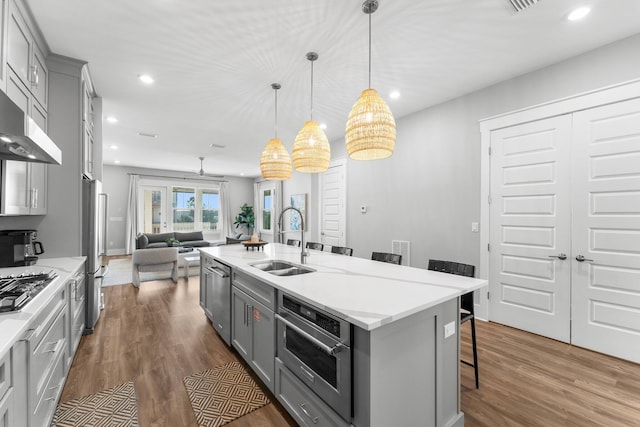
{"x": 223, "y": 394}
{"x": 116, "y": 406}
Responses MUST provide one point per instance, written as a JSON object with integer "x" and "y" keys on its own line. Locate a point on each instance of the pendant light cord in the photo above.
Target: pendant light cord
{"x": 276, "y": 113}
{"x": 370, "y": 50}
{"x": 311, "y": 107}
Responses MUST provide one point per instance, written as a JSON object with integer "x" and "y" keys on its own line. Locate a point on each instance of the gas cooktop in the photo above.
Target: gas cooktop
{"x": 17, "y": 290}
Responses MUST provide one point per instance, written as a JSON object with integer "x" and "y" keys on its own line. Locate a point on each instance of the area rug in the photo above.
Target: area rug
{"x": 120, "y": 270}
{"x": 223, "y": 394}
{"x": 116, "y": 406}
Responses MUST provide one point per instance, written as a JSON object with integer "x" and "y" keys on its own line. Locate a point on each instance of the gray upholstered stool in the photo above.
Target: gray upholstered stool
{"x": 155, "y": 259}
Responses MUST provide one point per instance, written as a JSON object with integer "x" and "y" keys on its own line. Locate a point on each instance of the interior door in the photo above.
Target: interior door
{"x": 606, "y": 230}
{"x": 333, "y": 214}
{"x": 153, "y": 209}
{"x": 530, "y": 227}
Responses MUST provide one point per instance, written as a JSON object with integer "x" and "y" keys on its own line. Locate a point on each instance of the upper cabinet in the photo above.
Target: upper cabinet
{"x": 24, "y": 56}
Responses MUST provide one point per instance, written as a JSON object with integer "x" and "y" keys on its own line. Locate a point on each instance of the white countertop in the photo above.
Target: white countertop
{"x": 13, "y": 325}
{"x": 366, "y": 293}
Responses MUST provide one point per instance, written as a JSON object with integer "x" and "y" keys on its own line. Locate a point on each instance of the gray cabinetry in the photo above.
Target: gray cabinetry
{"x": 6, "y": 392}
{"x": 253, "y": 326}
{"x": 24, "y": 188}
{"x": 206, "y": 286}
{"x": 304, "y": 406}
{"x": 76, "y": 290}
{"x": 24, "y": 55}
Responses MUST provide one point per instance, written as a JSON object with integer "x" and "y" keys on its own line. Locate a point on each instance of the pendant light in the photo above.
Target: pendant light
{"x": 371, "y": 129}
{"x": 275, "y": 163}
{"x": 311, "y": 151}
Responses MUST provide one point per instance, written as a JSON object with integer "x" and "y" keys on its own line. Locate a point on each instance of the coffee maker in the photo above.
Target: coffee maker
{"x": 19, "y": 247}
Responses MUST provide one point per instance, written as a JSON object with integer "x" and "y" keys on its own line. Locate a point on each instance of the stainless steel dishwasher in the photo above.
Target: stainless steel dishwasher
{"x": 218, "y": 297}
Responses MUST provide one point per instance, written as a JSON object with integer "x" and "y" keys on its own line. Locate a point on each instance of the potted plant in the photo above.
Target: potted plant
{"x": 245, "y": 218}
{"x": 172, "y": 241}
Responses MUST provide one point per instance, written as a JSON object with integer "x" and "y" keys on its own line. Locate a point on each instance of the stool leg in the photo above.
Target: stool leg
{"x": 475, "y": 350}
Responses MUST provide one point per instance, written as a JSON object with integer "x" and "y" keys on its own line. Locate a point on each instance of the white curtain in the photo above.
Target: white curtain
{"x": 131, "y": 225}
{"x": 225, "y": 204}
{"x": 256, "y": 208}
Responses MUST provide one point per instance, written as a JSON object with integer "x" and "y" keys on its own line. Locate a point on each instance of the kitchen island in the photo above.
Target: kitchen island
{"x": 403, "y": 367}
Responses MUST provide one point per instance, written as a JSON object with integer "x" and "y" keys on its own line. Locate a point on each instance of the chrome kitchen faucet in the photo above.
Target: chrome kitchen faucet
{"x": 303, "y": 252}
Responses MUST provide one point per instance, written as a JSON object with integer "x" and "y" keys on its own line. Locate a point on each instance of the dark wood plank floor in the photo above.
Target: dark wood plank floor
{"x": 158, "y": 334}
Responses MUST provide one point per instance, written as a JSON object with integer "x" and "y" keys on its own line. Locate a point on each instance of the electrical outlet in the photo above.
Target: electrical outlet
{"x": 449, "y": 329}
{"x": 474, "y": 227}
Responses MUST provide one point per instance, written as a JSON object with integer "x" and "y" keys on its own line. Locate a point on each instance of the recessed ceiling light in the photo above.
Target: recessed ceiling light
{"x": 241, "y": 173}
{"x": 323, "y": 126}
{"x": 216, "y": 145}
{"x": 112, "y": 119}
{"x": 145, "y": 78}
{"x": 31, "y": 156}
{"x": 394, "y": 95}
{"x": 113, "y": 147}
{"x": 117, "y": 162}
{"x": 578, "y": 13}
{"x": 148, "y": 135}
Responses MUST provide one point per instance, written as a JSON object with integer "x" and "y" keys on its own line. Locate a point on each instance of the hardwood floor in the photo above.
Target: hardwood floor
{"x": 529, "y": 380}
{"x": 158, "y": 334}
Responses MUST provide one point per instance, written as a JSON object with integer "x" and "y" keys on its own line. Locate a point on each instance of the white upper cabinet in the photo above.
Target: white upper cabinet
{"x": 25, "y": 57}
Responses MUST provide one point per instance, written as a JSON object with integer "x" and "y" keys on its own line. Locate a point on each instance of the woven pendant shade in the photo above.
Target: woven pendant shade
{"x": 275, "y": 163}
{"x": 311, "y": 150}
{"x": 371, "y": 129}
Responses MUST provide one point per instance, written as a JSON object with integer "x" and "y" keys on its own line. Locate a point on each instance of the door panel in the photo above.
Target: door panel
{"x": 333, "y": 218}
{"x": 606, "y": 229}
{"x": 530, "y": 224}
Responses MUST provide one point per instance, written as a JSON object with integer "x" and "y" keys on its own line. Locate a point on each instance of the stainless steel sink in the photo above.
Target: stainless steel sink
{"x": 282, "y": 268}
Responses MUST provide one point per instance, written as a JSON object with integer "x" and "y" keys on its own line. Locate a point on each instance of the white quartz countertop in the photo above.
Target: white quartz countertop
{"x": 366, "y": 293}
{"x": 13, "y": 325}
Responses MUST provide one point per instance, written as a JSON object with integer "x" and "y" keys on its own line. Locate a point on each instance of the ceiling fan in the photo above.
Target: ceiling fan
{"x": 202, "y": 173}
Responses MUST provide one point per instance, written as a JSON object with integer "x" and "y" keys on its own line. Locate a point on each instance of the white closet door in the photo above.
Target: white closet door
{"x": 530, "y": 225}
{"x": 606, "y": 229}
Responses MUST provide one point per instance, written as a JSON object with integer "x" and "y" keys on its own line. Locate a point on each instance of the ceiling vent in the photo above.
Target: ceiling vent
{"x": 520, "y": 5}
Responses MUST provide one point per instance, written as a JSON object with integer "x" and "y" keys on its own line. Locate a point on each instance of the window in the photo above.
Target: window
{"x": 267, "y": 209}
{"x": 210, "y": 208}
{"x": 183, "y": 203}
{"x": 168, "y": 206}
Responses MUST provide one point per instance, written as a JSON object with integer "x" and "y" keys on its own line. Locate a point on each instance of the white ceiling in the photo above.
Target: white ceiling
{"x": 214, "y": 61}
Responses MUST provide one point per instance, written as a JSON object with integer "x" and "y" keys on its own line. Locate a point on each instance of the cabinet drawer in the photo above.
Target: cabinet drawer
{"x": 47, "y": 316}
{"x": 77, "y": 328}
{"x": 6, "y": 409}
{"x": 48, "y": 401}
{"x": 262, "y": 292}
{"x": 5, "y": 373}
{"x": 307, "y": 408}
{"x": 46, "y": 353}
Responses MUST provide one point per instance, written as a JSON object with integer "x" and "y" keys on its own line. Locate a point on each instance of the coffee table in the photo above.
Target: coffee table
{"x": 190, "y": 261}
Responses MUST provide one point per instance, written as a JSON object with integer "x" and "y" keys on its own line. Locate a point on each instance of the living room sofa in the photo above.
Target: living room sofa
{"x": 159, "y": 240}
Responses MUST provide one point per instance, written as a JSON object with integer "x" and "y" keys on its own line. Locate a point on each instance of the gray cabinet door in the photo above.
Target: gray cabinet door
{"x": 206, "y": 291}
{"x": 263, "y": 334}
{"x": 240, "y": 327}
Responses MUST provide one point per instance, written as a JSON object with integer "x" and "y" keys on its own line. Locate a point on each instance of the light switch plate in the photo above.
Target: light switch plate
{"x": 474, "y": 227}
{"x": 449, "y": 329}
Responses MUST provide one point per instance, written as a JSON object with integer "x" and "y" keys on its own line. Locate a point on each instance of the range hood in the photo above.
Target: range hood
{"x": 22, "y": 139}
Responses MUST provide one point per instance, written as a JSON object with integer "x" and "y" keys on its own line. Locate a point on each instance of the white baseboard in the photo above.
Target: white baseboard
{"x": 112, "y": 252}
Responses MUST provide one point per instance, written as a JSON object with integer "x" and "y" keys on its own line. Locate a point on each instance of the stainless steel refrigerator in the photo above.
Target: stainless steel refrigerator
{"x": 94, "y": 247}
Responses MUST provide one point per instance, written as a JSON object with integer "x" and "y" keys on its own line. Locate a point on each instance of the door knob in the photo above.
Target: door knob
{"x": 581, "y": 258}
{"x": 562, "y": 256}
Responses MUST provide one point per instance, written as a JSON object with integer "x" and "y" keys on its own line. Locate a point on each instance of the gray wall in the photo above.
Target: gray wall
{"x": 116, "y": 185}
{"x": 428, "y": 192}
